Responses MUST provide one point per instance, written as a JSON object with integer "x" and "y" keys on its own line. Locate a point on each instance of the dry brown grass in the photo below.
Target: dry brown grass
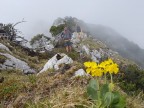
{"x": 135, "y": 101}
{"x": 53, "y": 91}
{"x": 56, "y": 89}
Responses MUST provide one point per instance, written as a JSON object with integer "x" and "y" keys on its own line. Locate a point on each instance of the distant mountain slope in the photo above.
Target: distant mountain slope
{"x": 118, "y": 43}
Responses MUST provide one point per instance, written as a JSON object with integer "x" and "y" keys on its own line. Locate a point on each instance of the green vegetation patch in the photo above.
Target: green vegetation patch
{"x": 131, "y": 80}
{"x": 55, "y": 30}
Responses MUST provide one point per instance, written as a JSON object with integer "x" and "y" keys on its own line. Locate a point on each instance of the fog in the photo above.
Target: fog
{"x": 125, "y": 16}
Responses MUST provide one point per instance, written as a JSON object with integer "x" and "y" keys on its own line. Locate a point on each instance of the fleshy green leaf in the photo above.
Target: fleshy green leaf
{"x": 92, "y": 89}
{"x": 121, "y": 103}
{"x": 116, "y": 97}
{"x": 104, "y": 90}
{"x": 108, "y": 99}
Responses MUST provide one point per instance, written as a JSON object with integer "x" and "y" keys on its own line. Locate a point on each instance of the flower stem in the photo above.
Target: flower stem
{"x": 98, "y": 93}
{"x": 111, "y": 78}
{"x": 105, "y": 78}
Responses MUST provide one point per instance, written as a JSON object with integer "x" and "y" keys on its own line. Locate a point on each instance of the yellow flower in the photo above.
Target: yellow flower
{"x": 98, "y": 69}
{"x": 87, "y": 64}
{"x": 94, "y": 65}
{"x": 96, "y": 72}
{"x": 109, "y": 69}
{"x": 103, "y": 67}
{"x": 88, "y": 70}
{"x": 112, "y": 68}
{"x": 108, "y": 62}
{"x": 115, "y": 68}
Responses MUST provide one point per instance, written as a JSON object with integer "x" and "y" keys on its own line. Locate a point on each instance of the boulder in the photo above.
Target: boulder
{"x": 49, "y": 47}
{"x": 55, "y": 61}
{"x": 86, "y": 49}
{"x": 43, "y": 44}
{"x": 14, "y": 63}
{"x": 95, "y": 56}
{"x": 80, "y": 72}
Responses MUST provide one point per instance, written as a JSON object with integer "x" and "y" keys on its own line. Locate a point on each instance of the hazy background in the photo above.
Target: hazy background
{"x": 125, "y": 16}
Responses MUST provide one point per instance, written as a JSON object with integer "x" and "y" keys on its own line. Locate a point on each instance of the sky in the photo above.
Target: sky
{"x": 124, "y": 16}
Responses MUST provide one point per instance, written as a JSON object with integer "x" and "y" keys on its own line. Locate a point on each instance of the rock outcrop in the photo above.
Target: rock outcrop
{"x": 12, "y": 62}
{"x": 80, "y": 72}
{"x": 55, "y": 61}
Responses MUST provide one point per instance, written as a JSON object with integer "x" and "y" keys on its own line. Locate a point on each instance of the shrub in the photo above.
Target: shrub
{"x": 55, "y": 30}
{"x": 132, "y": 79}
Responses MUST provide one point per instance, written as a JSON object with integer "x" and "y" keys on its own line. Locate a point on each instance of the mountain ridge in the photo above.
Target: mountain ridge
{"x": 110, "y": 37}
{"x": 119, "y": 43}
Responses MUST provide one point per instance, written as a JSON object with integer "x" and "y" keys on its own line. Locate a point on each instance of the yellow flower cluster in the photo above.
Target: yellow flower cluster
{"x": 107, "y": 66}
